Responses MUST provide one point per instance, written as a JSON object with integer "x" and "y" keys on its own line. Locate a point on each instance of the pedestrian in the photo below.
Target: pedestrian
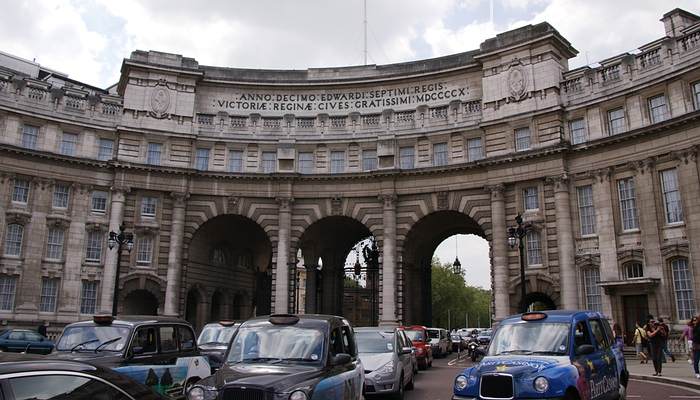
{"x": 42, "y": 328}
{"x": 665, "y": 342}
{"x": 619, "y": 336}
{"x": 688, "y": 336}
{"x": 696, "y": 346}
{"x": 656, "y": 333}
{"x": 640, "y": 343}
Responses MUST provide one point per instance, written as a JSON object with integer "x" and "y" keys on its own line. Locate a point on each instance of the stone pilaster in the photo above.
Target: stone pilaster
{"x": 177, "y": 232}
{"x": 310, "y": 307}
{"x": 282, "y": 268}
{"x": 388, "y": 315}
{"x": 689, "y": 179}
{"x": 605, "y": 228}
{"x": 499, "y": 246}
{"x": 565, "y": 244}
{"x": 116, "y": 216}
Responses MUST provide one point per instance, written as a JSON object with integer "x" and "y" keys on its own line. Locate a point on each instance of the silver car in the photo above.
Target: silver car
{"x": 214, "y": 339}
{"x": 386, "y": 357}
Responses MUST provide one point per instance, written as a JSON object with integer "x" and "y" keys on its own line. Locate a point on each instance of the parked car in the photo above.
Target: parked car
{"x": 159, "y": 352}
{"x": 296, "y": 357}
{"x": 548, "y": 354}
{"x": 35, "y": 377}
{"x": 484, "y": 337}
{"x": 419, "y": 338}
{"x": 386, "y": 357}
{"x": 214, "y": 339}
{"x": 414, "y": 359}
{"x": 24, "y": 341}
{"x": 439, "y": 342}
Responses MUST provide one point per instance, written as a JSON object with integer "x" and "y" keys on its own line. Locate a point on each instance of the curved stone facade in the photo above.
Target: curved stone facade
{"x": 224, "y": 174}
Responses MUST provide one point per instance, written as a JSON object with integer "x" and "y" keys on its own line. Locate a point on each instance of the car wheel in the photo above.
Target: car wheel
{"x": 188, "y": 385}
{"x": 411, "y": 383}
{"x": 571, "y": 395}
{"x": 399, "y": 394}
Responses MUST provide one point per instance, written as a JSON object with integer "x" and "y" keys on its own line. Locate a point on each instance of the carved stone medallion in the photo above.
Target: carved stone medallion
{"x": 517, "y": 82}
{"x": 160, "y": 102}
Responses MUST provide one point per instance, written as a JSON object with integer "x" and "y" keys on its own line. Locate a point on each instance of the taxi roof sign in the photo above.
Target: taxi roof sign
{"x": 227, "y": 322}
{"x": 283, "y": 319}
{"x": 103, "y": 319}
{"x": 533, "y": 316}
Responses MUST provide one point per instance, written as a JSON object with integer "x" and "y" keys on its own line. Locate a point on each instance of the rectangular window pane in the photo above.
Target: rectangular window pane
{"x": 106, "y": 149}
{"x": 672, "y": 196}
{"x": 93, "y": 246}
{"x": 60, "y": 196}
{"x": 616, "y": 121}
{"x": 657, "y": 108}
{"x": 144, "y": 250}
{"x": 522, "y": 139}
{"x": 29, "y": 136}
{"x": 8, "y": 285}
{"x": 591, "y": 279}
{"x": 628, "y": 204}
{"x": 69, "y": 142}
{"x": 154, "y": 152}
{"x": 578, "y": 131}
{"x": 235, "y": 161}
{"x": 530, "y": 198}
{"x": 269, "y": 162}
{"x": 13, "y": 240}
{"x": 475, "y": 150}
{"x": 88, "y": 297}
{"x": 534, "y": 248}
{"x": 49, "y": 292}
{"x": 586, "y": 210}
{"x": 99, "y": 201}
{"x": 696, "y": 95}
{"x": 439, "y": 154}
{"x": 148, "y": 206}
{"x": 406, "y": 157}
{"x": 54, "y": 244}
{"x": 683, "y": 286}
{"x": 369, "y": 160}
{"x": 202, "y": 161}
{"x": 337, "y": 162}
{"x": 306, "y": 163}
{"x": 20, "y": 192}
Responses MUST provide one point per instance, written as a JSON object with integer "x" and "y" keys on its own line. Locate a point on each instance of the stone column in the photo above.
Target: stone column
{"x": 565, "y": 244}
{"x": 605, "y": 228}
{"x": 116, "y": 216}
{"x": 388, "y": 315}
{"x": 689, "y": 182}
{"x": 177, "y": 232}
{"x": 499, "y": 250}
{"x": 282, "y": 268}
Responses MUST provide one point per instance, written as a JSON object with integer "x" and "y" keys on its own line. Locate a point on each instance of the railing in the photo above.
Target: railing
{"x": 337, "y": 122}
{"x": 405, "y": 117}
{"x": 649, "y": 59}
{"x": 573, "y": 85}
{"x": 691, "y": 41}
{"x": 238, "y": 122}
{"x": 370, "y": 120}
{"x": 111, "y": 109}
{"x": 305, "y": 123}
{"x": 472, "y": 107}
{"x": 610, "y": 74}
{"x": 205, "y": 119}
{"x": 36, "y": 93}
{"x": 272, "y": 123}
{"x": 74, "y": 103}
{"x": 438, "y": 112}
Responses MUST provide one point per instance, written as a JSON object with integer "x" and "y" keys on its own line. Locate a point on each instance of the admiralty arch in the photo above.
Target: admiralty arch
{"x": 236, "y": 182}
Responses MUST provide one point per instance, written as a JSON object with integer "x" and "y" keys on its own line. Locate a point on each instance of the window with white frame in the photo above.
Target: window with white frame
{"x": 369, "y": 160}
{"x": 8, "y": 287}
{"x": 20, "y": 191}
{"x": 439, "y": 154}
{"x": 88, "y": 297}
{"x": 306, "y": 162}
{"x": 658, "y": 111}
{"x": 522, "y": 139}
{"x": 154, "y": 153}
{"x": 144, "y": 250}
{"x": 337, "y": 162}
{"x": 98, "y": 201}
{"x": 591, "y": 287}
{"x": 672, "y": 196}
{"x": 633, "y": 269}
{"x": 29, "y": 136}
{"x": 149, "y": 205}
{"x": 406, "y": 157}
{"x": 69, "y": 144}
{"x": 13, "y": 240}
{"x": 235, "y": 161}
{"x": 616, "y": 121}
{"x": 683, "y": 288}
{"x": 202, "y": 159}
{"x": 696, "y": 94}
{"x": 628, "y": 204}
{"x": 578, "y": 131}
{"x": 475, "y": 149}
{"x": 533, "y": 248}
{"x": 269, "y": 162}
{"x": 93, "y": 246}
{"x": 49, "y": 293}
{"x": 54, "y": 243}
{"x": 61, "y": 194}
{"x": 586, "y": 210}
{"x": 106, "y": 149}
{"x": 530, "y": 198}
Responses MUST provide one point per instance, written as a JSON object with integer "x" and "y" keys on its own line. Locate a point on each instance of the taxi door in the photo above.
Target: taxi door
{"x": 342, "y": 381}
{"x": 584, "y": 363}
{"x": 606, "y": 384}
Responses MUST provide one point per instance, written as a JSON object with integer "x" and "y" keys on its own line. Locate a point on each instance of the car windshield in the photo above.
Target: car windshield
{"x": 414, "y": 335}
{"x": 374, "y": 342}
{"x": 216, "y": 334}
{"x": 276, "y": 343}
{"x": 89, "y": 337}
{"x": 433, "y": 334}
{"x": 530, "y": 338}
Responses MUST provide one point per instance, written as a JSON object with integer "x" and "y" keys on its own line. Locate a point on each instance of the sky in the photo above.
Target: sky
{"x": 89, "y": 39}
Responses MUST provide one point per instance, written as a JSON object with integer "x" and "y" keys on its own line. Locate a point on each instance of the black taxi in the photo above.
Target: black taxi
{"x": 290, "y": 357}
{"x": 157, "y": 351}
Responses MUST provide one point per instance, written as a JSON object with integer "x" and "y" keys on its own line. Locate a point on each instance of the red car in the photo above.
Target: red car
{"x": 421, "y": 342}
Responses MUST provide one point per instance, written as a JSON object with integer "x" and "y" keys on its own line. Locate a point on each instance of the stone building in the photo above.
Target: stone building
{"x": 225, "y": 176}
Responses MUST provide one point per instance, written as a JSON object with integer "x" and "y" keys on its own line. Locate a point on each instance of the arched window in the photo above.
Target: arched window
{"x": 633, "y": 270}
{"x": 591, "y": 289}
{"x": 13, "y": 240}
{"x": 534, "y": 248}
{"x": 683, "y": 288}
{"x": 218, "y": 256}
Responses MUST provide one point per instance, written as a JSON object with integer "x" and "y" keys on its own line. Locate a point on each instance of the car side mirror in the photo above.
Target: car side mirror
{"x": 406, "y": 350}
{"x": 340, "y": 359}
{"x": 585, "y": 349}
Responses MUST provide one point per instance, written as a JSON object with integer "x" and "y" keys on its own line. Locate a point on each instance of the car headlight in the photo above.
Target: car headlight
{"x": 298, "y": 395}
{"x": 386, "y": 370}
{"x": 201, "y": 393}
{"x": 541, "y": 384}
{"x": 461, "y": 382}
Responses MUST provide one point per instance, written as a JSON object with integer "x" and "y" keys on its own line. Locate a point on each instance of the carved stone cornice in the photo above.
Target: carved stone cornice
{"x": 95, "y": 226}
{"x": 602, "y": 174}
{"x": 120, "y": 189}
{"x": 630, "y": 255}
{"x": 58, "y": 221}
{"x": 496, "y": 191}
{"x": 560, "y": 182}
{"x": 146, "y": 229}
{"x": 687, "y": 155}
{"x": 675, "y": 250}
{"x": 284, "y": 203}
{"x": 15, "y": 216}
{"x": 336, "y": 205}
{"x": 443, "y": 200}
{"x": 179, "y": 199}
{"x": 388, "y": 200}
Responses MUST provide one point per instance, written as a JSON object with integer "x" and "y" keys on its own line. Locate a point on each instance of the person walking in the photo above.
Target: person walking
{"x": 655, "y": 333}
{"x": 666, "y": 353}
{"x": 687, "y": 335}
{"x": 42, "y": 328}
{"x": 640, "y": 343}
{"x": 696, "y": 346}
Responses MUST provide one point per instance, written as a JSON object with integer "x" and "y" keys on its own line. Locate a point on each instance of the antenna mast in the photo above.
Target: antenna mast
{"x": 365, "y": 25}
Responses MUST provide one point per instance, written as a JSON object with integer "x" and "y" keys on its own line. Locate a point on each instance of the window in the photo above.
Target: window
{"x": 186, "y": 338}
{"x": 475, "y": 150}
{"x": 616, "y": 121}
{"x": 696, "y": 95}
{"x": 88, "y": 297}
{"x": 269, "y": 162}
{"x": 534, "y": 248}
{"x": 586, "y": 210}
{"x": 145, "y": 338}
{"x": 306, "y": 163}
{"x": 29, "y": 136}
{"x": 154, "y": 151}
{"x": 672, "y": 196}
{"x": 49, "y": 292}
{"x": 439, "y": 154}
{"x": 99, "y": 201}
{"x": 406, "y": 155}
{"x": 60, "y": 196}
{"x": 93, "y": 246}
{"x": 337, "y": 162}
{"x": 369, "y": 160}
{"x": 148, "y": 206}
{"x": 144, "y": 250}
{"x": 683, "y": 287}
{"x": 106, "y": 149}
{"x": 591, "y": 287}
{"x": 168, "y": 339}
{"x": 578, "y": 131}
{"x": 235, "y": 161}
{"x": 628, "y": 204}
{"x": 599, "y": 334}
{"x": 633, "y": 270}
{"x": 69, "y": 143}
{"x": 62, "y": 387}
{"x": 20, "y": 192}
{"x": 8, "y": 284}
{"x": 13, "y": 240}
{"x": 522, "y": 139}
{"x": 657, "y": 108}
{"x": 202, "y": 160}
{"x": 530, "y": 198}
{"x": 54, "y": 243}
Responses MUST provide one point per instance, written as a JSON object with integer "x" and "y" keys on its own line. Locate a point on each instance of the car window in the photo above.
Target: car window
{"x": 49, "y": 387}
{"x": 599, "y": 334}
{"x": 168, "y": 340}
{"x": 608, "y": 331}
{"x": 16, "y": 336}
{"x": 146, "y": 339}
{"x": 348, "y": 341}
{"x": 336, "y": 344}
{"x": 32, "y": 336}
{"x": 581, "y": 334}
{"x": 186, "y": 338}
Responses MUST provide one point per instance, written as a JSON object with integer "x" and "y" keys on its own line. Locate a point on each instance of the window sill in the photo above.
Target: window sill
{"x": 674, "y": 225}
{"x": 630, "y": 231}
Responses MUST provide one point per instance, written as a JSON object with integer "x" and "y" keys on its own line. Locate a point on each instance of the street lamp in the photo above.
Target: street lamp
{"x": 456, "y": 265}
{"x": 119, "y": 239}
{"x": 515, "y": 237}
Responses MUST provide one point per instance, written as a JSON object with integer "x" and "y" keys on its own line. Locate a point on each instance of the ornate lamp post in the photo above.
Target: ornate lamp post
{"x": 515, "y": 237}
{"x": 456, "y": 265}
{"x": 119, "y": 239}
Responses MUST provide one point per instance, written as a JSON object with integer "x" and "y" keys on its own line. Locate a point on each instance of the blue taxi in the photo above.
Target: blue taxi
{"x": 548, "y": 355}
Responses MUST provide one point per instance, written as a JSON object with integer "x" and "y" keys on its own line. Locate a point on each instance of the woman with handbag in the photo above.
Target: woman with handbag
{"x": 640, "y": 338}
